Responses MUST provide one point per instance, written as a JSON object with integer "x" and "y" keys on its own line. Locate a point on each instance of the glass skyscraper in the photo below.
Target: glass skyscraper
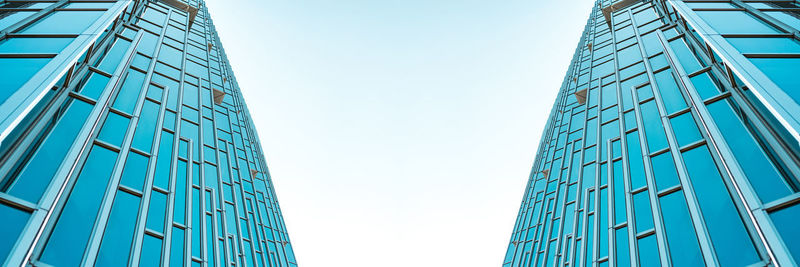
{"x": 673, "y": 141}
{"x": 126, "y": 141}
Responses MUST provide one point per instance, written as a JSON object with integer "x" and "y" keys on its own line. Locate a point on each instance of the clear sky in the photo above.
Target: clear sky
{"x": 399, "y": 133}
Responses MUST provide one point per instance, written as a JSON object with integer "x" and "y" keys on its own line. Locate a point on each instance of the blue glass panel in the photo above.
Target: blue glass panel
{"x": 171, "y": 56}
{"x": 653, "y": 129}
{"x": 787, "y": 17}
{"x": 154, "y": 16}
{"x": 210, "y": 241}
{"x": 620, "y": 211}
{"x": 146, "y": 127}
{"x": 151, "y": 251}
{"x": 725, "y": 226}
{"x": 71, "y": 233}
{"x": 782, "y": 71}
{"x": 114, "y": 128}
{"x": 765, "y": 45}
{"x": 157, "y": 211}
{"x": 587, "y": 261}
{"x": 664, "y": 171}
{"x": 670, "y": 93}
{"x": 129, "y": 92}
{"x": 135, "y": 171}
{"x": 683, "y": 246}
{"x": 785, "y": 220}
{"x": 628, "y": 56}
{"x": 762, "y": 174}
{"x": 602, "y": 225}
{"x": 118, "y": 235}
{"x": 164, "y": 161}
{"x": 13, "y": 17}
{"x": 648, "y": 252}
{"x": 735, "y": 22}
{"x": 591, "y": 132}
{"x": 652, "y": 44}
{"x": 685, "y": 56}
{"x": 623, "y": 256}
{"x": 114, "y": 56}
{"x": 147, "y": 45}
{"x": 196, "y": 235}
{"x": 69, "y": 22}
{"x": 685, "y": 129}
{"x": 154, "y": 92}
{"x": 14, "y": 72}
{"x": 176, "y": 250}
{"x": 181, "y": 181}
{"x": 11, "y": 226}
{"x": 33, "y": 45}
{"x": 642, "y": 211}
{"x": 705, "y": 86}
{"x": 35, "y": 177}
{"x": 94, "y": 85}
{"x": 208, "y": 133}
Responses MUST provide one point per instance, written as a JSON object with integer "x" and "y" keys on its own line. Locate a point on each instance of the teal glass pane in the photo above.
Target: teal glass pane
{"x": 65, "y": 22}
{"x": 154, "y": 16}
{"x": 787, "y": 17}
{"x": 620, "y": 211}
{"x": 735, "y": 22}
{"x": 164, "y": 161}
{"x": 170, "y": 55}
{"x": 115, "y": 247}
{"x": 782, "y": 71}
{"x": 587, "y": 261}
{"x": 652, "y": 44}
{"x": 34, "y": 45}
{"x": 685, "y": 56}
{"x": 177, "y": 248}
{"x": 151, "y": 251}
{"x": 623, "y": 256}
{"x": 705, "y": 86}
{"x": 664, "y": 171}
{"x": 670, "y": 93}
{"x": 648, "y": 252}
{"x": 642, "y": 212}
{"x": 129, "y": 92}
{"x": 146, "y": 127}
{"x": 210, "y": 241}
{"x": 685, "y": 129}
{"x": 157, "y": 211}
{"x": 728, "y": 235}
{"x": 763, "y": 175}
{"x": 14, "y": 220}
{"x": 35, "y": 176}
{"x": 765, "y": 45}
{"x": 147, "y": 45}
{"x": 135, "y": 171}
{"x": 113, "y": 129}
{"x": 785, "y": 220}
{"x": 181, "y": 182}
{"x": 683, "y": 246}
{"x": 14, "y": 72}
{"x": 71, "y": 233}
{"x": 11, "y": 18}
{"x": 197, "y": 250}
{"x": 653, "y": 129}
{"x": 94, "y": 85}
{"x": 114, "y": 56}
{"x": 628, "y": 56}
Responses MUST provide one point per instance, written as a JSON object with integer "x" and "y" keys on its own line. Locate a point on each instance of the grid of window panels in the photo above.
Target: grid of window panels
{"x": 673, "y": 141}
{"x": 126, "y": 141}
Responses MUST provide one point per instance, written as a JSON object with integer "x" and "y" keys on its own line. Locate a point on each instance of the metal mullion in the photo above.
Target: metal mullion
{"x": 723, "y": 156}
{"x": 655, "y": 205}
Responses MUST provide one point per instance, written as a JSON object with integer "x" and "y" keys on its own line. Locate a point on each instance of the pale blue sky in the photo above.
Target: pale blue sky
{"x": 399, "y": 133}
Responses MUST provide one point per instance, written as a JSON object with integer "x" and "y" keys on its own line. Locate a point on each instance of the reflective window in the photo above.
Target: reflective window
{"x": 170, "y": 56}
{"x": 11, "y": 226}
{"x": 129, "y": 92}
{"x": 69, "y": 22}
{"x": 151, "y": 251}
{"x": 33, "y": 45}
{"x": 135, "y": 171}
{"x": 164, "y": 161}
{"x": 670, "y": 92}
{"x": 683, "y": 246}
{"x": 628, "y": 56}
{"x": 176, "y": 250}
{"x": 728, "y": 235}
{"x": 94, "y": 85}
{"x": 705, "y": 86}
{"x": 735, "y": 22}
{"x": 118, "y": 235}
{"x": 765, "y": 45}
{"x": 71, "y": 233}
{"x": 623, "y": 255}
{"x": 35, "y": 177}
{"x": 114, "y": 128}
{"x": 685, "y": 56}
{"x": 648, "y": 252}
{"x": 653, "y": 129}
{"x": 762, "y": 174}
{"x": 788, "y": 17}
{"x": 782, "y": 71}
{"x": 14, "y": 72}
{"x": 147, "y": 45}
{"x": 12, "y": 18}
{"x": 642, "y": 212}
{"x": 156, "y": 211}
{"x": 114, "y": 56}
{"x": 181, "y": 179}
{"x": 146, "y": 127}
{"x": 666, "y": 175}
{"x": 785, "y": 220}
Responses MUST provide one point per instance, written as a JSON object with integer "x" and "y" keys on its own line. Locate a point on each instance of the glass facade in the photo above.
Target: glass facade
{"x": 126, "y": 141}
{"x": 673, "y": 141}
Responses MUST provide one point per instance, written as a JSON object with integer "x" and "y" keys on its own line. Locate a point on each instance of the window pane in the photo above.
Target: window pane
{"x": 180, "y": 193}
{"x": 71, "y": 233}
{"x": 705, "y": 86}
{"x": 623, "y": 255}
{"x": 643, "y": 214}
{"x": 648, "y": 252}
{"x": 94, "y": 85}
{"x": 782, "y": 71}
{"x": 118, "y": 235}
{"x": 35, "y": 177}
{"x": 156, "y": 211}
{"x": 69, "y": 22}
{"x": 14, "y": 72}
{"x": 760, "y": 171}
{"x": 176, "y": 251}
{"x": 685, "y": 56}
{"x": 114, "y": 128}
{"x": 785, "y": 221}
{"x": 653, "y": 129}
{"x": 734, "y": 22}
{"x": 681, "y": 238}
{"x": 146, "y": 127}
{"x": 129, "y": 92}
{"x": 765, "y": 45}
{"x": 11, "y": 226}
{"x": 666, "y": 175}
{"x": 685, "y": 129}
{"x": 725, "y": 226}
{"x": 670, "y": 93}
{"x": 33, "y": 45}
{"x": 113, "y": 57}
{"x": 164, "y": 161}
{"x": 135, "y": 171}
{"x": 151, "y": 251}
{"x": 635, "y": 160}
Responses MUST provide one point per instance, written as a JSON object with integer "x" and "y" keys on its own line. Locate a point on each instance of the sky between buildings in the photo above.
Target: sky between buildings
{"x": 399, "y": 133}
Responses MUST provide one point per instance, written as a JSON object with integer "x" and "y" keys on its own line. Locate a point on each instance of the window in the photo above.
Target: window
{"x": 685, "y": 129}
{"x": 70, "y": 235}
{"x": 683, "y": 246}
{"x": 670, "y": 93}
{"x": 653, "y": 129}
{"x": 135, "y": 171}
{"x": 151, "y": 251}
{"x": 118, "y": 235}
{"x": 156, "y": 211}
{"x": 648, "y": 251}
{"x": 785, "y": 221}
{"x": 128, "y": 94}
{"x": 145, "y": 128}
{"x": 164, "y": 161}
{"x": 11, "y": 226}
{"x": 15, "y": 72}
{"x": 114, "y": 56}
{"x": 64, "y": 22}
{"x": 33, "y": 45}
{"x": 735, "y": 22}
{"x": 114, "y": 128}
{"x": 93, "y": 85}
{"x": 782, "y": 72}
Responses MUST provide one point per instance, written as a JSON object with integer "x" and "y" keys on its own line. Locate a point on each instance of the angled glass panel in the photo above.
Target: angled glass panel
{"x": 118, "y": 235}
{"x": 64, "y": 22}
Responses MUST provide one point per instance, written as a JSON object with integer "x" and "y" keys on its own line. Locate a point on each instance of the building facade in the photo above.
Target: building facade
{"x": 126, "y": 141}
{"x": 673, "y": 141}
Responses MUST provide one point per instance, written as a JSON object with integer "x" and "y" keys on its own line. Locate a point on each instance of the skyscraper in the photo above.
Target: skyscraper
{"x": 125, "y": 140}
{"x": 673, "y": 141}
